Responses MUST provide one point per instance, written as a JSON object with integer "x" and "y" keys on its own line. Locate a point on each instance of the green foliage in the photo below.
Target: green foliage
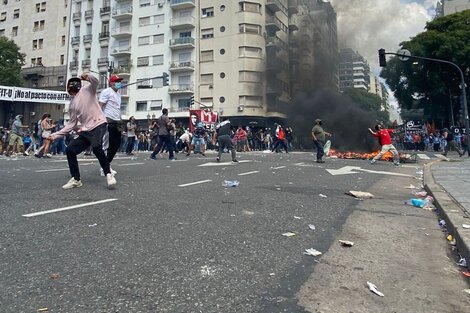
{"x": 368, "y": 102}
{"x": 430, "y": 85}
{"x": 11, "y": 61}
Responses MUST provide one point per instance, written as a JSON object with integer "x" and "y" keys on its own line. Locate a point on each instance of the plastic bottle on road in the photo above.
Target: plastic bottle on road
{"x": 230, "y": 183}
{"x": 419, "y": 203}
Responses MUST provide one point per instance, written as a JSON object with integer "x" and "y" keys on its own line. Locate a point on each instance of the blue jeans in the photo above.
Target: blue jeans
{"x": 319, "y": 147}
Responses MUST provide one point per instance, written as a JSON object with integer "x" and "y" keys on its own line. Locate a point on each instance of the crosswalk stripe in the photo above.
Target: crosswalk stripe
{"x": 423, "y": 156}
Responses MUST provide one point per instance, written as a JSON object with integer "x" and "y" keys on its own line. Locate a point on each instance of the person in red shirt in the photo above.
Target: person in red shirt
{"x": 386, "y": 142}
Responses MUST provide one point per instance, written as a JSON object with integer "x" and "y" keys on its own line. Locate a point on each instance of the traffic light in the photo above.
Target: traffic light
{"x": 382, "y": 59}
{"x": 165, "y": 79}
{"x": 191, "y": 101}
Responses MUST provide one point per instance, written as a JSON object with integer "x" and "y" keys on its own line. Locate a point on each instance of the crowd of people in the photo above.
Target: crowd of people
{"x": 437, "y": 141}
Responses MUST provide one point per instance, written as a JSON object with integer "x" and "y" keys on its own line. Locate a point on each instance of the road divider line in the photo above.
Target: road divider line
{"x": 279, "y": 167}
{"x": 52, "y": 170}
{"x": 248, "y": 173}
{"x": 68, "y": 208}
{"x": 195, "y": 183}
{"x": 130, "y": 164}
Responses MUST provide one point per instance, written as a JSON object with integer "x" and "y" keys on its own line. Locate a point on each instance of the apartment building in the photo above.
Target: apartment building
{"x": 354, "y": 70}
{"x": 40, "y": 29}
{"x": 446, "y": 7}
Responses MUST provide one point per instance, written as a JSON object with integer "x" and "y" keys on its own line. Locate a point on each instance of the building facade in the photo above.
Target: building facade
{"x": 354, "y": 70}
{"x": 446, "y": 7}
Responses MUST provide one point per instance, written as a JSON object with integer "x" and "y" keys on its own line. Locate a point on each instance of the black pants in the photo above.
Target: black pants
{"x": 280, "y": 142}
{"x": 114, "y": 140}
{"x": 93, "y": 138}
{"x": 130, "y": 144}
{"x": 164, "y": 140}
{"x": 226, "y": 142}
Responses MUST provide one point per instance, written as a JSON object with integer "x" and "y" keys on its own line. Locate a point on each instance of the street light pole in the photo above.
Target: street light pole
{"x": 406, "y": 54}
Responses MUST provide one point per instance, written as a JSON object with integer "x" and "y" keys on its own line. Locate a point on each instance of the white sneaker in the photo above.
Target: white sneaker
{"x": 111, "y": 180}
{"x": 112, "y": 172}
{"x": 72, "y": 183}
{"x": 48, "y": 155}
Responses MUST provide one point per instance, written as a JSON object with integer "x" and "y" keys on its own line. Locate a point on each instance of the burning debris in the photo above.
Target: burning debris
{"x": 388, "y": 156}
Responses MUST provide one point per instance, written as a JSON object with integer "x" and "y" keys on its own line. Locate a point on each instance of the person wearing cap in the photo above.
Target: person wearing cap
{"x": 16, "y": 133}
{"x": 319, "y": 139}
{"x": 84, "y": 109}
{"x": 451, "y": 144}
{"x": 110, "y": 102}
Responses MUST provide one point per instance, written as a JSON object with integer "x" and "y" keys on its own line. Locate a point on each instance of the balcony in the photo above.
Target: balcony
{"x": 104, "y": 39}
{"x": 77, "y": 16}
{"x": 73, "y": 67}
{"x": 182, "y": 23}
{"x": 103, "y": 64}
{"x": 181, "y": 89}
{"x": 182, "y": 43}
{"x": 33, "y": 72}
{"x": 121, "y": 32}
{"x": 105, "y": 13}
{"x": 75, "y": 41}
{"x": 122, "y": 13}
{"x": 118, "y": 51}
{"x": 293, "y": 23}
{"x": 182, "y": 4}
{"x": 86, "y": 64}
{"x": 293, "y": 7}
{"x": 273, "y": 5}
{"x": 123, "y": 69}
{"x": 87, "y": 38}
{"x": 273, "y": 24}
{"x": 184, "y": 66}
{"x": 89, "y": 14}
{"x": 275, "y": 43}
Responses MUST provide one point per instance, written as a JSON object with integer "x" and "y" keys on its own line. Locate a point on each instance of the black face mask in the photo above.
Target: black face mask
{"x": 74, "y": 86}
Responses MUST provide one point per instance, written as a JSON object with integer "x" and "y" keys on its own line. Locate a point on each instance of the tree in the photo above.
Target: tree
{"x": 428, "y": 85}
{"x": 11, "y": 61}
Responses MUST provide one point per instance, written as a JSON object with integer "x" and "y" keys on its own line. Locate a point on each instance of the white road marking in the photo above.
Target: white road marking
{"x": 68, "y": 208}
{"x": 195, "y": 183}
{"x": 224, "y": 163}
{"x": 351, "y": 170}
{"x": 423, "y": 156}
{"x": 52, "y": 170}
{"x": 279, "y": 167}
{"x": 91, "y": 159}
{"x": 248, "y": 173}
{"x": 130, "y": 164}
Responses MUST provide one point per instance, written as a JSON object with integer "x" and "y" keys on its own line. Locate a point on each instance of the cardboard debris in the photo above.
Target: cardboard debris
{"x": 346, "y": 243}
{"x": 374, "y": 289}
{"x": 360, "y": 194}
{"x": 312, "y": 252}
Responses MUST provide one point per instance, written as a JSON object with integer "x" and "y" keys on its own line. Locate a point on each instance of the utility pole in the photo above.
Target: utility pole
{"x": 404, "y": 55}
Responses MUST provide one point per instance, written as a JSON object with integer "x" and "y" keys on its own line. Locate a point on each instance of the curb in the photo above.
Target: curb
{"x": 449, "y": 210}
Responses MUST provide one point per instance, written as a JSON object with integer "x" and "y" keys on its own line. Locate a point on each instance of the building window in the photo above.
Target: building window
{"x": 2, "y": 32}
{"x": 250, "y": 101}
{"x": 62, "y": 59}
{"x": 141, "y": 105}
{"x": 142, "y": 41}
{"x": 207, "y": 55}
{"x": 156, "y": 105}
{"x": 16, "y": 14}
{"x": 222, "y": 51}
{"x": 222, "y": 29}
{"x": 40, "y": 43}
{"x": 63, "y": 40}
{"x": 250, "y": 7}
{"x": 142, "y": 61}
{"x": 158, "y": 38}
{"x": 33, "y": 61}
{"x": 208, "y": 12}
{"x": 14, "y": 31}
{"x": 250, "y": 29}
{"x": 3, "y": 16}
{"x": 144, "y": 21}
{"x": 64, "y": 21}
{"x": 159, "y": 19}
{"x": 157, "y": 59}
{"x": 222, "y": 8}
{"x": 207, "y": 33}
{"x": 250, "y": 52}
{"x": 35, "y": 44}
{"x": 39, "y": 61}
{"x": 40, "y": 7}
{"x": 249, "y": 76}
{"x": 207, "y": 79}
{"x": 42, "y": 24}
{"x": 222, "y": 99}
{"x": 144, "y": 3}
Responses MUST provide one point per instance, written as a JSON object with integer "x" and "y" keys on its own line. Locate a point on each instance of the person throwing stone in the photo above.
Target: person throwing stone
{"x": 84, "y": 109}
{"x": 386, "y": 142}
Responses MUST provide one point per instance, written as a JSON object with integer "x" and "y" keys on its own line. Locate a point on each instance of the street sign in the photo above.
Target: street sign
{"x": 404, "y": 54}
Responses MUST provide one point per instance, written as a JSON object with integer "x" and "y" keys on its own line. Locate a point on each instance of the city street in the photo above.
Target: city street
{"x": 171, "y": 238}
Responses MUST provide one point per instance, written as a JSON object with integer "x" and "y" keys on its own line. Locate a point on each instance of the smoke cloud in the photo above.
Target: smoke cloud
{"x": 368, "y": 25}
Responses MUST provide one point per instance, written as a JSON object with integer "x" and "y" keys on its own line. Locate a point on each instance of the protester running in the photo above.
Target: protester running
{"x": 386, "y": 142}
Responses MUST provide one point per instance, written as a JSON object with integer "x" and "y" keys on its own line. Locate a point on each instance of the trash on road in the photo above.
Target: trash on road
{"x": 230, "y": 183}
{"x": 374, "y": 289}
{"x": 92, "y": 225}
{"x": 311, "y": 226}
{"x": 462, "y": 262}
{"x": 411, "y": 186}
{"x": 323, "y": 196}
{"x": 466, "y": 226}
{"x": 466, "y": 273}
{"x": 346, "y": 243}
{"x": 360, "y": 194}
{"x": 420, "y": 193}
{"x": 442, "y": 223}
{"x": 289, "y": 234}
{"x": 467, "y": 291}
{"x": 297, "y": 217}
{"x": 312, "y": 252}
{"x": 43, "y": 310}
{"x": 54, "y": 276}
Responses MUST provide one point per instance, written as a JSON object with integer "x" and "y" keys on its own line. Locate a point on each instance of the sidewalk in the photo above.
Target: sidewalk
{"x": 449, "y": 183}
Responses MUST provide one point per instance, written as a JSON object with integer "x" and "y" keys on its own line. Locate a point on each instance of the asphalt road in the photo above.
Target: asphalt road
{"x": 163, "y": 247}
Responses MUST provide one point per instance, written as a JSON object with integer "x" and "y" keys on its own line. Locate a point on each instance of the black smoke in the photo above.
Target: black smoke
{"x": 340, "y": 115}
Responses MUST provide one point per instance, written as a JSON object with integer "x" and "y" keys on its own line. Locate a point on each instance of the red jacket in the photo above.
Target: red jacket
{"x": 384, "y": 136}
